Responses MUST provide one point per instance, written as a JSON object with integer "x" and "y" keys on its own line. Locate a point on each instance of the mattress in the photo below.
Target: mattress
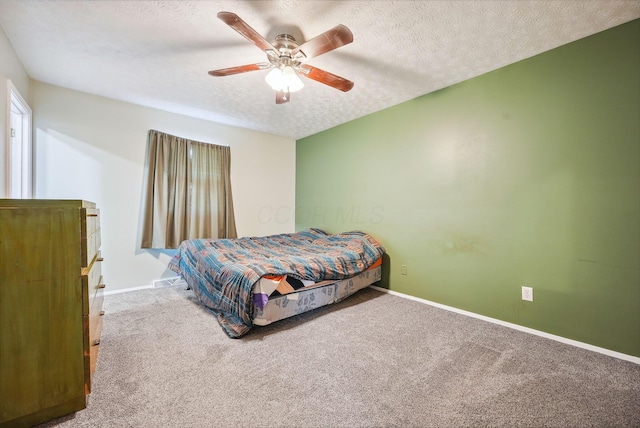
{"x": 223, "y": 272}
{"x": 311, "y": 297}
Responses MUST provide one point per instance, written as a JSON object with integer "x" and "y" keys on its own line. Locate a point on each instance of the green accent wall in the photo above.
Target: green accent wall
{"x": 525, "y": 176}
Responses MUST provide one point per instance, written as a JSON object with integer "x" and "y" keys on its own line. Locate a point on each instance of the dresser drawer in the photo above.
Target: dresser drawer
{"x": 93, "y": 359}
{"x": 94, "y": 319}
{"x": 93, "y": 220}
{"x": 90, "y": 235}
{"x": 92, "y": 283}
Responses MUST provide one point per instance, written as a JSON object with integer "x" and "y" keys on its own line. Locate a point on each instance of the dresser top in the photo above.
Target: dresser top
{"x": 51, "y": 203}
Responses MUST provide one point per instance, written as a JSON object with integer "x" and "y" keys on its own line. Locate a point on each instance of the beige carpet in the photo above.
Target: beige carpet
{"x": 374, "y": 360}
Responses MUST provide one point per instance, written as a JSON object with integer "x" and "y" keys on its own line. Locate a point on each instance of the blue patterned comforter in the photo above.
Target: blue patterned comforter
{"x": 222, "y": 272}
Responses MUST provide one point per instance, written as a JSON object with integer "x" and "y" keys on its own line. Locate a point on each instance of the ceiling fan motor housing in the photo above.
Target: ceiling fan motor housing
{"x": 285, "y": 44}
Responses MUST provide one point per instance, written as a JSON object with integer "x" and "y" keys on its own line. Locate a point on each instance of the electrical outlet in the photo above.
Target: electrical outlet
{"x": 403, "y": 269}
{"x": 527, "y": 294}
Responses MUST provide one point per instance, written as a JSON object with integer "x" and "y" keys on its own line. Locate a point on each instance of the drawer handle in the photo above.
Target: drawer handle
{"x": 96, "y": 342}
{"x": 92, "y": 215}
{"x": 99, "y": 259}
{"x": 101, "y": 313}
{"x": 102, "y": 286}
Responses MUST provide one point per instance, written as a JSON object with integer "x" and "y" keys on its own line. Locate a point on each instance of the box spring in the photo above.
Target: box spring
{"x": 303, "y": 300}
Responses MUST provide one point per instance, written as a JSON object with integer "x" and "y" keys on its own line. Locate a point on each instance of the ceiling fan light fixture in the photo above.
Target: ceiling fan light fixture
{"x": 291, "y": 79}
{"x": 285, "y": 79}
{"x": 274, "y": 79}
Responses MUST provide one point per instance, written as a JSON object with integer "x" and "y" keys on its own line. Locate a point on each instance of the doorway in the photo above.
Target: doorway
{"x": 20, "y": 154}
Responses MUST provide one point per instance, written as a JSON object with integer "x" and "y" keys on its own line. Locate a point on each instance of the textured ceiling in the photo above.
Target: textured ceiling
{"x": 157, "y": 53}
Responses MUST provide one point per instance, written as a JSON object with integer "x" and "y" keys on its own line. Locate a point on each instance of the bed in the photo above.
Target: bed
{"x": 260, "y": 280}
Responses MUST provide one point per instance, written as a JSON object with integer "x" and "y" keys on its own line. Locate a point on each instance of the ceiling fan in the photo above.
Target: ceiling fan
{"x": 287, "y": 58}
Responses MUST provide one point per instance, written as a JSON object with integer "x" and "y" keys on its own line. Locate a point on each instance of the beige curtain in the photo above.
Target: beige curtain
{"x": 188, "y": 192}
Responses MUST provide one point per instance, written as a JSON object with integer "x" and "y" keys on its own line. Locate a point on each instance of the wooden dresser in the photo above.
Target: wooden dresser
{"x": 51, "y": 293}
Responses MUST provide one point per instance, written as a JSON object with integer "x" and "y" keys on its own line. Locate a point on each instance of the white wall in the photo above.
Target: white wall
{"x": 10, "y": 69}
{"x": 94, "y": 148}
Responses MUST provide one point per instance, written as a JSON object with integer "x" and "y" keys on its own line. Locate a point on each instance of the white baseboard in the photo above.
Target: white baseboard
{"x": 156, "y": 283}
{"x": 572, "y": 342}
{"x": 126, "y": 290}
{"x": 165, "y": 282}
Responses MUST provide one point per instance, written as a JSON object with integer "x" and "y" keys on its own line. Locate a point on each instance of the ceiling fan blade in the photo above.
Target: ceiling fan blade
{"x": 239, "y": 69}
{"x": 282, "y": 97}
{"x": 327, "y": 78}
{"x": 234, "y": 21}
{"x": 323, "y": 43}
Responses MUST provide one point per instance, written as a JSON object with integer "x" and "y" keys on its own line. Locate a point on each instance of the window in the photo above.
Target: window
{"x": 188, "y": 191}
{"x": 19, "y": 153}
